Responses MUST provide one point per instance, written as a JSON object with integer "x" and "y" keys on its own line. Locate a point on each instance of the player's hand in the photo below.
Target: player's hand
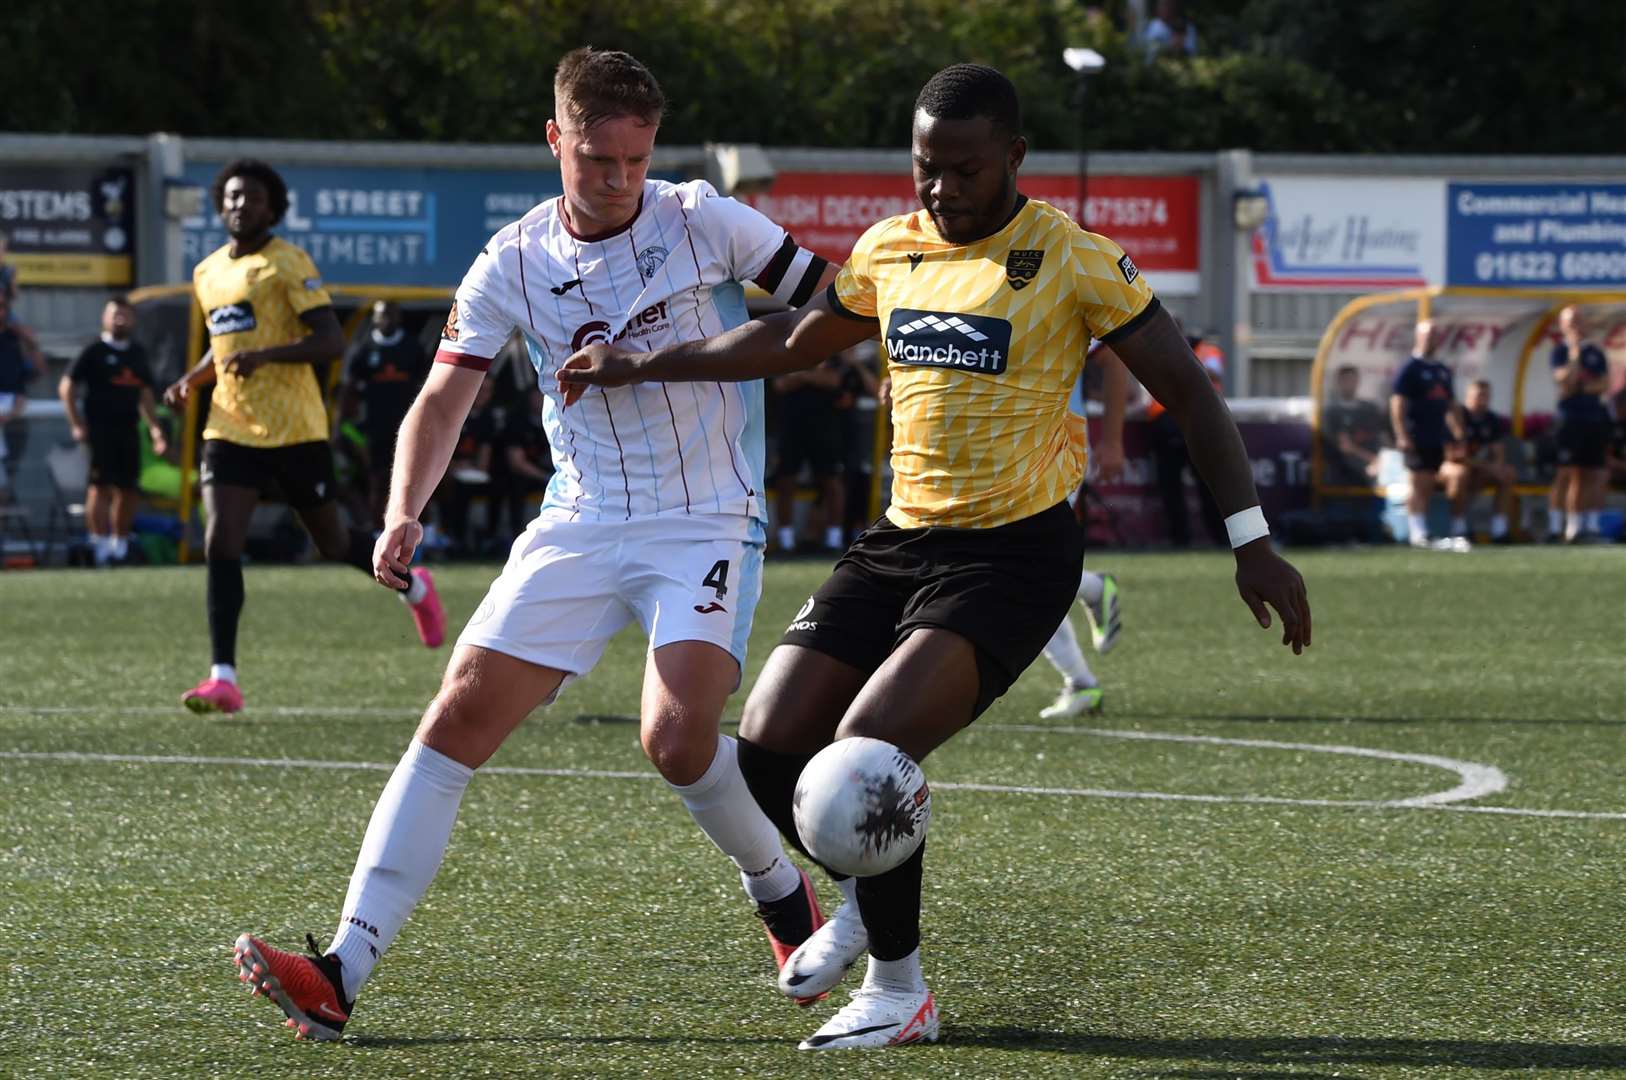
{"x": 597, "y": 365}
{"x": 175, "y": 393}
{"x": 1403, "y": 443}
{"x": 244, "y": 363}
{"x": 1265, "y": 578}
{"x": 1109, "y": 461}
{"x": 392, "y": 555}
{"x": 79, "y": 433}
{"x": 160, "y": 445}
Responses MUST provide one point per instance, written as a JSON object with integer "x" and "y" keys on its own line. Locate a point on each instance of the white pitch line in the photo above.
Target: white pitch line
{"x": 73, "y": 756}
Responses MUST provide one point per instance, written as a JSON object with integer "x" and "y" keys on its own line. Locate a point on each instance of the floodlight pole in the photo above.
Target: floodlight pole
{"x": 1085, "y": 62}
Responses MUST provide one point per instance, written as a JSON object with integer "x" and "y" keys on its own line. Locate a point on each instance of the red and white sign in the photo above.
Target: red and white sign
{"x": 1153, "y": 218}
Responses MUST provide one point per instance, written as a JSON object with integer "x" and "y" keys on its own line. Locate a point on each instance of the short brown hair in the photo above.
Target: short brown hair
{"x": 593, "y": 85}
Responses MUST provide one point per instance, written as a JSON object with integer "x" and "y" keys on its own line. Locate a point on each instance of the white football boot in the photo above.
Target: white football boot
{"x": 824, "y": 959}
{"x": 877, "y": 1018}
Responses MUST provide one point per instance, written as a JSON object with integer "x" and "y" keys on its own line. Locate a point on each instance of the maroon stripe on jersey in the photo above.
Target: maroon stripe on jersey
{"x": 519, "y": 253}
{"x": 774, "y": 272}
{"x": 576, "y": 258}
{"x": 619, "y": 451}
{"x": 678, "y": 442}
{"x": 464, "y": 360}
{"x": 723, "y": 394}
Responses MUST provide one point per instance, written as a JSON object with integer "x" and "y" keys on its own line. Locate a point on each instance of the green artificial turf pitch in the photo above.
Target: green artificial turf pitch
{"x": 1290, "y": 921}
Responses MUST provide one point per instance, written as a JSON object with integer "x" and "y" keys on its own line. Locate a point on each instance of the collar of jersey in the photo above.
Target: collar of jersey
{"x": 930, "y": 229}
{"x": 595, "y": 238}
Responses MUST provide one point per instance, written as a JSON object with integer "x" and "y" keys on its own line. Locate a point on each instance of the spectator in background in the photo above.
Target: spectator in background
{"x": 117, "y": 383}
{"x": 1616, "y": 459}
{"x": 1170, "y": 458}
{"x": 8, "y": 274}
{"x": 20, "y": 361}
{"x": 1423, "y": 407}
{"x": 529, "y": 458}
{"x": 1582, "y": 374}
{"x": 1481, "y": 463}
{"x": 382, "y": 374}
{"x": 857, "y": 429}
{"x": 1170, "y": 33}
{"x": 468, "y": 476}
{"x": 811, "y": 434}
{"x": 1351, "y": 433}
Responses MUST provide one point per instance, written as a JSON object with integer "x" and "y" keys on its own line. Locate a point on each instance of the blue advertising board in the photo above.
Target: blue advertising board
{"x": 1536, "y": 236}
{"x": 385, "y": 226}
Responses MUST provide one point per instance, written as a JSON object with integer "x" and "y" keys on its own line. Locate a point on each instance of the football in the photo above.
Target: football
{"x": 862, "y": 806}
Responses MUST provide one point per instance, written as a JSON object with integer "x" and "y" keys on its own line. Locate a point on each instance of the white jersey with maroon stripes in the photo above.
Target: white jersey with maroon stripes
{"x": 673, "y": 274}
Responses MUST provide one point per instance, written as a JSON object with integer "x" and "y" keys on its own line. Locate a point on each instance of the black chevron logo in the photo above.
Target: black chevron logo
{"x": 914, "y": 259}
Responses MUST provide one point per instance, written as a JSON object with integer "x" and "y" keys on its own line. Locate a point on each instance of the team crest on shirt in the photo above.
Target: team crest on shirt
{"x": 449, "y": 331}
{"x": 649, "y": 260}
{"x": 1022, "y": 266}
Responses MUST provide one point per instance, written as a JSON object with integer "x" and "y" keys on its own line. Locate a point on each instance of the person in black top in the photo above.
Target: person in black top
{"x": 117, "y": 384}
{"x": 528, "y": 457}
{"x": 811, "y": 435}
{"x": 1479, "y": 462}
{"x": 20, "y": 361}
{"x": 1582, "y": 374}
{"x": 382, "y": 374}
{"x": 1426, "y": 416}
{"x": 1351, "y": 433}
{"x": 468, "y": 475}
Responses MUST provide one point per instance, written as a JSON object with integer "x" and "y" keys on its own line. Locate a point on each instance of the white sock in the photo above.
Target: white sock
{"x": 722, "y": 806}
{"x": 1089, "y": 588}
{"x": 405, "y": 841}
{"x": 1499, "y": 525}
{"x": 849, "y": 890}
{"x": 1590, "y": 522}
{"x": 101, "y": 547}
{"x": 1572, "y": 526}
{"x": 223, "y": 672}
{"x": 900, "y": 976}
{"x": 1459, "y": 526}
{"x": 415, "y": 592}
{"x": 832, "y": 536}
{"x": 787, "y": 537}
{"x": 120, "y": 546}
{"x": 1418, "y": 524}
{"x": 1555, "y": 521}
{"x": 1066, "y": 657}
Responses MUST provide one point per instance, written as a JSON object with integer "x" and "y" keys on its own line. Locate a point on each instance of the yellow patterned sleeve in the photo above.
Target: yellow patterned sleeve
{"x": 298, "y": 275}
{"x": 852, "y": 293}
{"x": 1111, "y": 291}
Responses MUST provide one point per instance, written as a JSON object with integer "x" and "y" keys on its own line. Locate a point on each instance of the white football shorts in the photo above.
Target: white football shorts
{"x": 570, "y": 586}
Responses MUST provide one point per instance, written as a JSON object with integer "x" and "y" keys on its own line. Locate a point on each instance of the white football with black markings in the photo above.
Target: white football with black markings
{"x": 862, "y": 806}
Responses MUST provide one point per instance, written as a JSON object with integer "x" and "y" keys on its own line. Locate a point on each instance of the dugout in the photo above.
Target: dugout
{"x": 1500, "y": 335}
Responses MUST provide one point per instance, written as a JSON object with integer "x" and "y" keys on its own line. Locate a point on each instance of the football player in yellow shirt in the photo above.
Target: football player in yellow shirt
{"x": 985, "y": 301}
{"x": 269, "y": 320}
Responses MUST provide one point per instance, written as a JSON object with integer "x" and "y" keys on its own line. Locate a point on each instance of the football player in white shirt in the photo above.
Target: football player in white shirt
{"x": 655, "y": 514}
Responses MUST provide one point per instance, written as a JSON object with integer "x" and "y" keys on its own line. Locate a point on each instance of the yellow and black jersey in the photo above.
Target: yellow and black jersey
{"x": 984, "y": 342}
{"x": 254, "y": 302}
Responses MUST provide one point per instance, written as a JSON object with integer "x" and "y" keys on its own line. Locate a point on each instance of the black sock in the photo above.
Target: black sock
{"x": 360, "y": 552}
{"x": 890, "y": 905}
{"x": 772, "y": 777}
{"x": 225, "y": 604}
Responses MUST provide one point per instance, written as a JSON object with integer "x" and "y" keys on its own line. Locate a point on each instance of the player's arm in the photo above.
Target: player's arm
{"x": 1109, "y": 454}
{"x": 1397, "y": 419}
{"x": 423, "y": 449}
{"x": 1157, "y": 354}
{"x": 762, "y": 348}
{"x": 1455, "y": 421}
{"x": 70, "y": 406}
{"x": 202, "y": 374}
{"x": 148, "y": 405}
{"x": 324, "y": 341}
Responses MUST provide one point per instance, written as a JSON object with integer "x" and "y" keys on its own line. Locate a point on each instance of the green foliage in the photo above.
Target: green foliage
{"x": 1382, "y": 75}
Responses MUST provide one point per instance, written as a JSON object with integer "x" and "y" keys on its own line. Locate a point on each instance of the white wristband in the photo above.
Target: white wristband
{"x": 1246, "y": 526}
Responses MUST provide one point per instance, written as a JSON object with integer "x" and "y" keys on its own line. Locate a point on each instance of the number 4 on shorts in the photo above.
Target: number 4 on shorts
{"x": 717, "y": 578}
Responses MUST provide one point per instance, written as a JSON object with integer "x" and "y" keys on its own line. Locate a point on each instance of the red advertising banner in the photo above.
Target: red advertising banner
{"x": 1154, "y": 218}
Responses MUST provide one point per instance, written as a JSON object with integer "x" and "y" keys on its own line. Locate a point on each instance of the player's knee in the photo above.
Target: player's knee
{"x": 680, "y": 752}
